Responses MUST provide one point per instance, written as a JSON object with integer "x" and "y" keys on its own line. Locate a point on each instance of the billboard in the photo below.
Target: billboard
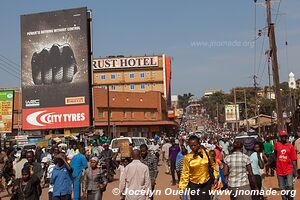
{"x": 55, "y": 56}
{"x": 6, "y": 111}
{"x": 232, "y": 113}
{"x": 125, "y": 62}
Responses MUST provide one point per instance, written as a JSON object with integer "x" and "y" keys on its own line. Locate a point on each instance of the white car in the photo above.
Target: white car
{"x": 136, "y": 141}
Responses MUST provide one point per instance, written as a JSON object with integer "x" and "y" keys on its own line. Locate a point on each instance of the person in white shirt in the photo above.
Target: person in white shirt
{"x": 165, "y": 155}
{"x": 135, "y": 178}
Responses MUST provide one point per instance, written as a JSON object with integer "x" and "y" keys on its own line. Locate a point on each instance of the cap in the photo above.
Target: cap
{"x": 94, "y": 158}
{"x": 283, "y": 133}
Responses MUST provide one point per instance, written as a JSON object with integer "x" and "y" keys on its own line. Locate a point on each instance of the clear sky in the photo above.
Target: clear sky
{"x": 211, "y": 42}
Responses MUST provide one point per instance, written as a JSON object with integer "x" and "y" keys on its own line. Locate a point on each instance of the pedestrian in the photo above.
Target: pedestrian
{"x": 173, "y": 151}
{"x": 218, "y": 166}
{"x": 20, "y": 164}
{"x": 34, "y": 166}
{"x": 28, "y": 187}
{"x": 197, "y": 173}
{"x": 257, "y": 164}
{"x": 151, "y": 161}
{"x": 165, "y": 155}
{"x": 297, "y": 148}
{"x": 286, "y": 166}
{"x": 78, "y": 164}
{"x": 135, "y": 178}
{"x": 237, "y": 168}
{"x": 61, "y": 179}
{"x": 268, "y": 150}
{"x": 95, "y": 181}
{"x": 179, "y": 165}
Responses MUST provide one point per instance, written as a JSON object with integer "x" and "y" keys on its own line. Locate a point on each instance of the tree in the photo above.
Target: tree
{"x": 183, "y": 101}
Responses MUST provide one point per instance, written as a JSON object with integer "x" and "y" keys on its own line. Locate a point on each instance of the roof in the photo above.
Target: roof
{"x": 141, "y": 123}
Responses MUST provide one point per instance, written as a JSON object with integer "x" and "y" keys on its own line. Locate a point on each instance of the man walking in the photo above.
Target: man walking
{"x": 237, "y": 169}
{"x": 173, "y": 151}
{"x": 165, "y": 155}
{"x": 78, "y": 164}
{"x": 61, "y": 179}
{"x": 151, "y": 161}
{"x": 286, "y": 165}
{"x": 268, "y": 150}
{"x": 135, "y": 178}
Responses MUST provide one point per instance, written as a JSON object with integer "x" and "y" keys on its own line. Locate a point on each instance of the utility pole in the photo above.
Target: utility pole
{"x": 273, "y": 52}
{"x": 108, "y": 112}
{"x": 256, "y": 102}
{"x": 246, "y": 109}
{"x": 235, "y": 110}
{"x": 217, "y": 115}
{"x": 270, "y": 90}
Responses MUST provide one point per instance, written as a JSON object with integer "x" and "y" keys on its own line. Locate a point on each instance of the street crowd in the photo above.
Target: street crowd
{"x": 196, "y": 163}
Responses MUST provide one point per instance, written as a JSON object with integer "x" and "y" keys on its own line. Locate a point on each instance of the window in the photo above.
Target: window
{"x": 132, "y": 86}
{"x": 112, "y": 76}
{"x": 100, "y": 114}
{"x": 103, "y": 77}
{"x": 142, "y": 75}
{"x": 103, "y": 87}
{"x": 132, "y": 115}
{"x": 113, "y": 87}
{"x": 124, "y": 115}
{"x": 152, "y": 115}
{"x": 142, "y": 86}
{"x": 145, "y": 115}
{"x": 110, "y": 115}
{"x": 131, "y": 75}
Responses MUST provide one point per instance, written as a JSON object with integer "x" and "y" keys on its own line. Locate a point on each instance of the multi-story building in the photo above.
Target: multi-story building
{"x": 134, "y": 74}
{"x": 131, "y": 113}
{"x": 211, "y": 92}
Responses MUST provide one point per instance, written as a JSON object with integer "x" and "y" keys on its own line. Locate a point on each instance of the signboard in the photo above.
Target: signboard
{"x": 6, "y": 111}
{"x": 232, "y": 113}
{"x": 55, "y": 56}
{"x": 125, "y": 62}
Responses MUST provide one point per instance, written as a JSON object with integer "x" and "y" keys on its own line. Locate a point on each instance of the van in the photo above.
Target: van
{"x": 137, "y": 141}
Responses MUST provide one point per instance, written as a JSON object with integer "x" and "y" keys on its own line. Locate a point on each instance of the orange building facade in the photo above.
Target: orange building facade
{"x": 134, "y": 74}
{"x": 131, "y": 113}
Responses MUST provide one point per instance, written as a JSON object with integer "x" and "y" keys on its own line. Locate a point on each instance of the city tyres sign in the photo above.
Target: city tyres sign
{"x": 125, "y": 62}
{"x": 55, "y": 117}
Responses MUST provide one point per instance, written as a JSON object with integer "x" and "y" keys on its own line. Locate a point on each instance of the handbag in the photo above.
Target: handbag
{"x": 210, "y": 167}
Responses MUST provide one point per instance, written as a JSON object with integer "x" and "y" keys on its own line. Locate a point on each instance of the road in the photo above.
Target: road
{"x": 164, "y": 185}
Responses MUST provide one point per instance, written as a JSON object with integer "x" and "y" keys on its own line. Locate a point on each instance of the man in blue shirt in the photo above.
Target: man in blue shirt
{"x": 78, "y": 163}
{"x": 61, "y": 179}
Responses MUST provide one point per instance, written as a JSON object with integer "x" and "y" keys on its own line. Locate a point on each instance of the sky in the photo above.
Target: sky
{"x": 211, "y": 43}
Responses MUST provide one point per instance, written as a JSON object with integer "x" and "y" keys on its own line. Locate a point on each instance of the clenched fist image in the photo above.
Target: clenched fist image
{"x": 54, "y": 65}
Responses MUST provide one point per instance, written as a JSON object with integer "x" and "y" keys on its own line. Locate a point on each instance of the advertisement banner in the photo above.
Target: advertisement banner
{"x": 125, "y": 62}
{"x": 55, "y": 68}
{"x": 232, "y": 113}
{"x": 6, "y": 111}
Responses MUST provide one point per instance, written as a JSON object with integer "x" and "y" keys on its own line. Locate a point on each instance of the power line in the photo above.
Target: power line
{"x": 9, "y": 60}
{"x": 10, "y": 73}
{"x": 277, "y": 13}
{"x": 12, "y": 68}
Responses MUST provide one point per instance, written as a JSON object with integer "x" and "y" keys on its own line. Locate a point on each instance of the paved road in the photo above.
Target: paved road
{"x": 163, "y": 185}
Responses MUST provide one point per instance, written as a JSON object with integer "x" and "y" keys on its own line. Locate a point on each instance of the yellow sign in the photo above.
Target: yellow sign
{"x": 6, "y": 111}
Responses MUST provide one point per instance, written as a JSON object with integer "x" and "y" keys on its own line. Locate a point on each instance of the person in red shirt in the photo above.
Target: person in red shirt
{"x": 286, "y": 164}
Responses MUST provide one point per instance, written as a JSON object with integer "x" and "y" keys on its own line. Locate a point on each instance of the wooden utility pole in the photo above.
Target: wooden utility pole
{"x": 246, "y": 109}
{"x": 273, "y": 53}
{"x": 256, "y": 102}
{"x": 235, "y": 111}
{"x": 108, "y": 112}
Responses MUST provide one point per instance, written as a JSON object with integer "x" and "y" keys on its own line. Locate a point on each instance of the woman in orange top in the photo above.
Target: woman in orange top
{"x": 195, "y": 173}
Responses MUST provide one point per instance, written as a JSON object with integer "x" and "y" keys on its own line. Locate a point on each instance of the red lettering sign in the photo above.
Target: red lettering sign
{"x": 56, "y": 117}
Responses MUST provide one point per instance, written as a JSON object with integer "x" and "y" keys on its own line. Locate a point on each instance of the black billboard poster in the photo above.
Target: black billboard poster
{"x": 55, "y": 69}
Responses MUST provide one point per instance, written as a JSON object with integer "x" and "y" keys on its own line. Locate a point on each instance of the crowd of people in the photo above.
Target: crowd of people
{"x": 194, "y": 163}
{"x": 68, "y": 173}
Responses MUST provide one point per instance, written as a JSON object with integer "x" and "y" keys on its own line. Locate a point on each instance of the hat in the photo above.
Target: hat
{"x": 283, "y": 133}
{"x": 94, "y": 158}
